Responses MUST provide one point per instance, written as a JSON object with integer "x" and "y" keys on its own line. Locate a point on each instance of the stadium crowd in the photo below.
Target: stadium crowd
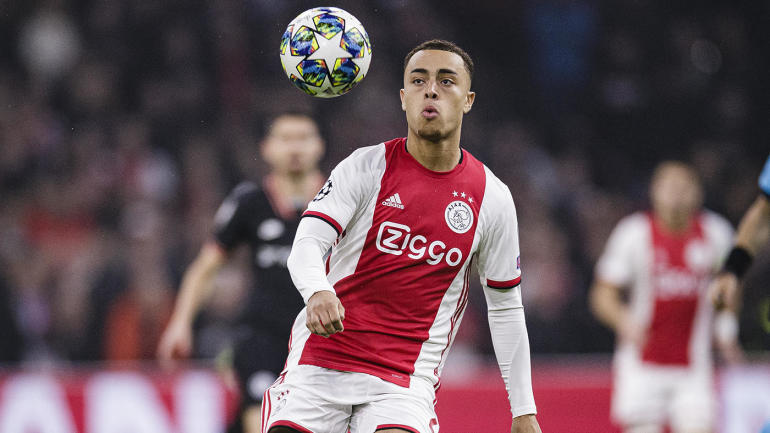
{"x": 124, "y": 123}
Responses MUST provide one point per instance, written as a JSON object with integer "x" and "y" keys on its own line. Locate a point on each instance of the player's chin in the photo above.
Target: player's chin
{"x": 430, "y": 133}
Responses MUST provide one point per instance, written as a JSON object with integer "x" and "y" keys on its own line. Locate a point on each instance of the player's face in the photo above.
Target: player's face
{"x": 676, "y": 194}
{"x": 436, "y": 94}
{"x": 293, "y": 145}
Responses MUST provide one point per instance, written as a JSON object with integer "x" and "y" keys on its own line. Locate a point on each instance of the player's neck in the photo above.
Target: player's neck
{"x": 439, "y": 156}
{"x": 674, "y": 225}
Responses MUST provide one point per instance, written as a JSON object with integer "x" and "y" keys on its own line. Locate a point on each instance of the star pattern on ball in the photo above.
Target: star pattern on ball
{"x": 304, "y": 21}
{"x": 363, "y": 62}
{"x": 291, "y": 62}
{"x": 327, "y": 87}
{"x": 329, "y": 50}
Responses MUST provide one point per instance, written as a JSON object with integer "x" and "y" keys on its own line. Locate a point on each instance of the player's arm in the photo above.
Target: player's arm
{"x": 325, "y": 312}
{"x": 753, "y": 233}
{"x": 230, "y": 225}
{"x": 525, "y": 424}
{"x": 327, "y": 215}
{"x": 498, "y": 265}
{"x": 176, "y": 341}
{"x": 607, "y": 305}
{"x": 511, "y": 343}
{"x": 614, "y": 272}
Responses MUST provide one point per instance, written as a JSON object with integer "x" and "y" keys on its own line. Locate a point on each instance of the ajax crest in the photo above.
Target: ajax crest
{"x": 459, "y": 216}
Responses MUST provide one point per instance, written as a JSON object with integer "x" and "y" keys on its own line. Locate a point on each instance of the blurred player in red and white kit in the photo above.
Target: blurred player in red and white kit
{"x": 753, "y": 234}
{"x": 382, "y": 258}
{"x": 265, "y": 218}
{"x": 666, "y": 258}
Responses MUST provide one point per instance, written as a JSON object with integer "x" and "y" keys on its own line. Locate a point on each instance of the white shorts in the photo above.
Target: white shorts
{"x": 650, "y": 395}
{"x": 319, "y": 400}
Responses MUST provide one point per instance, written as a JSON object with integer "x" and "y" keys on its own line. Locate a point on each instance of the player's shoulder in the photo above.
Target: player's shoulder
{"x": 715, "y": 222}
{"x": 364, "y": 158}
{"x": 495, "y": 188}
{"x": 637, "y": 223}
{"x": 245, "y": 190}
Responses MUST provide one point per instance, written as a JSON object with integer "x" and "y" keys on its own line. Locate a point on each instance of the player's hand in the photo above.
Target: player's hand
{"x": 325, "y": 314}
{"x": 175, "y": 343}
{"x": 525, "y": 424}
{"x": 731, "y": 352}
{"x": 723, "y": 291}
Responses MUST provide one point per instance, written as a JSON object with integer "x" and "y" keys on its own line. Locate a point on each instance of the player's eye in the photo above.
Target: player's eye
{"x": 417, "y": 81}
{"x": 447, "y": 81}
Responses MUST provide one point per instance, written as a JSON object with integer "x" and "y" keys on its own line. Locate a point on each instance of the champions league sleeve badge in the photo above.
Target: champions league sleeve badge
{"x": 327, "y": 188}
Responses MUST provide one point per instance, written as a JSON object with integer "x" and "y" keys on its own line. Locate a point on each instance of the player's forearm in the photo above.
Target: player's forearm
{"x": 606, "y": 304}
{"x": 305, "y": 263}
{"x": 197, "y": 283}
{"x": 511, "y": 343}
{"x": 754, "y": 228}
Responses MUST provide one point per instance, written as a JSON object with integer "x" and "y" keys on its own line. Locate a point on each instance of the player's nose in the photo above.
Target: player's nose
{"x": 431, "y": 90}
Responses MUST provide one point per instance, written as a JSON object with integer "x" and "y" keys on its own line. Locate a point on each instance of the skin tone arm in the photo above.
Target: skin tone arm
{"x": 607, "y": 305}
{"x": 177, "y": 339}
{"x": 753, "y": 233}
{"x": 525, "y": 424}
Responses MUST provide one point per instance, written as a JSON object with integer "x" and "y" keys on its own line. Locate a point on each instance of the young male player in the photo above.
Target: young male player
{"x": 265, "y": 219}
{"x": 753, "y": 233}
{"x": 662, "y": 366}
{"x": 402, "y": 222}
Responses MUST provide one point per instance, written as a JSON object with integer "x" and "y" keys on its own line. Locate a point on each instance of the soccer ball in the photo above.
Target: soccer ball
{"x": 325, "y": 52}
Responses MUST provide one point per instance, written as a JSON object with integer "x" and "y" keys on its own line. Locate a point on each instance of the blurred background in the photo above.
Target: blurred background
{"x": 123, "y": 124}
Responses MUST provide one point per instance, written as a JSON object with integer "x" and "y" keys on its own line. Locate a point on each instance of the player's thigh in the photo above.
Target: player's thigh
{"x": 397, "y": 409}
{"x": 640, "y": 399}
{"x": 252, "y": 418}
{"x": 693, "y": 406}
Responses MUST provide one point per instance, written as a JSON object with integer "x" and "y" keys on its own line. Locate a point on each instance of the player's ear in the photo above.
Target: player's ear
{"x": 469, "y": 98}
{"x": 403, "y": 103}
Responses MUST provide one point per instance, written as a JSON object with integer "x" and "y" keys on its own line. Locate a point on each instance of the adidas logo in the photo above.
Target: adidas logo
{"x": 394, "y": 201}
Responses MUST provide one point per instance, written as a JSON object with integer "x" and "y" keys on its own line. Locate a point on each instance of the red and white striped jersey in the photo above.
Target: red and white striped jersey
{"x": 401, "y": 263}
{"x": 668, "y": 275}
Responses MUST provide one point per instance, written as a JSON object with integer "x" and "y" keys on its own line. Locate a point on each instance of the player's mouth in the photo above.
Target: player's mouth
{"x": 429, "y": 112}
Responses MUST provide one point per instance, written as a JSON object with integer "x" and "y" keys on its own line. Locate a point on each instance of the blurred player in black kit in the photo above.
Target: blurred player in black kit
{"x": 265, "y": 218}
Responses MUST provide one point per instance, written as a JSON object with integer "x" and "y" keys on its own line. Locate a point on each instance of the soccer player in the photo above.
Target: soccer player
{"x": 663, "y": 370}
{"x": 382, "y": 259}
{"x": 265, "y": 219}
{"x": 753, "y": 233}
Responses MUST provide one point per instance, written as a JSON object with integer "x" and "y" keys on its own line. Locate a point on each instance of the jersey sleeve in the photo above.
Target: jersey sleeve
{"x": 345, "y": 192}
{"x": 500, "y": 275}
{"x": 764, "y": 179}
{"x": 616, "y": 265}
{"x": 499, "y": 264}
{"x": 231, "y": 221}
{"x": 721, "y": 234}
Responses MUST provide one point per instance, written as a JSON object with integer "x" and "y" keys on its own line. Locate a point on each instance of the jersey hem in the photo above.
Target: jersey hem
{"x": 384, "y": 375}
{"x": 325, "y": 218}
{"x": 295, "y": 426}
{"x": 400, "y": 426}
{"x": 530, "y": 409}
{"x": 502, "y": 285}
